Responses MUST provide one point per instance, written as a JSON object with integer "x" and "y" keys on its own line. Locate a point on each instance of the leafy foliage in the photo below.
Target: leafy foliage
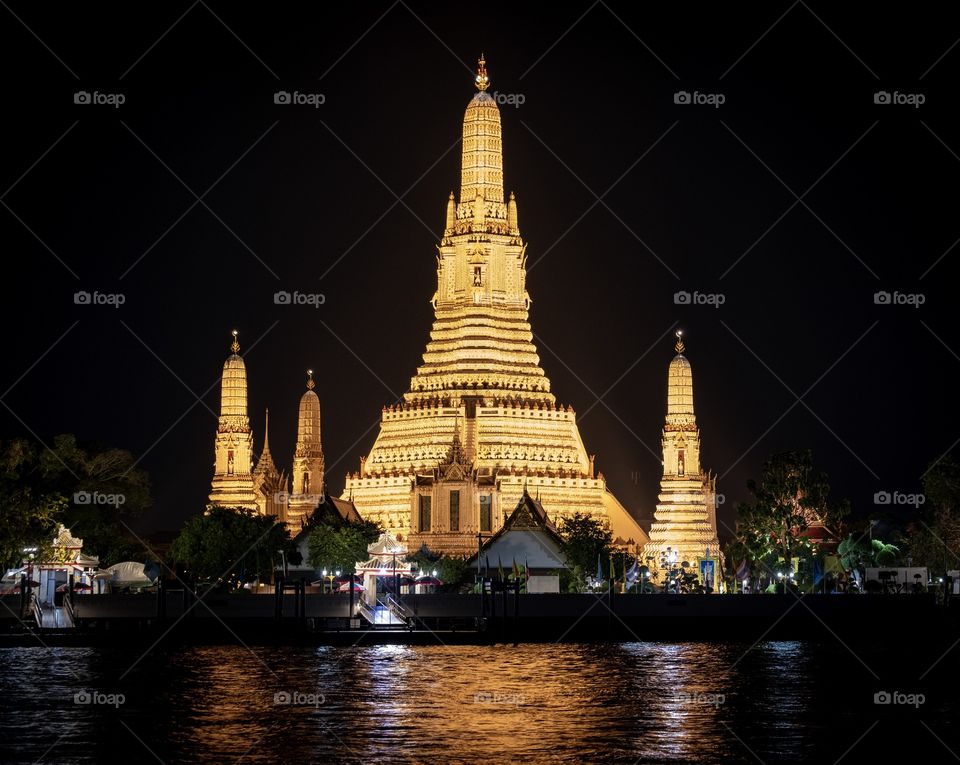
{"x": 857, "y": 552}
{"x": 41, "y": 487}
{"x": 338, "y": 546}
{"x": 585, "y": 540}
{"x": 232, "y": 545}
{"x": 31, "y": 506}
{"x": 790, "y": 495}
{"x": 451, "y": 569}
{"x": 935, "y": 538}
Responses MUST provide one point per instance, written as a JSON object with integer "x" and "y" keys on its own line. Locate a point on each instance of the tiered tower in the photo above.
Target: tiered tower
{"x": 232, "y": 484}
{"x": 481, "y": 370}
{"x": 685, "y": 520}
{"x": 308, "y": 478}
{"x": 269, "y": 484}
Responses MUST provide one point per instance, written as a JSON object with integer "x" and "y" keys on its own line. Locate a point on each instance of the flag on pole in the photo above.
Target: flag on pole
{"x": 515, "y": 570}
{"x": 817, "y": 571}
{"x": 500, "y": 567}
{"x": 743, "y": 570}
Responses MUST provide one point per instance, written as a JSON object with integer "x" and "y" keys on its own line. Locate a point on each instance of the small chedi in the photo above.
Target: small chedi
{"x": 685, "y": 521}
{"x": 479, "y": 421}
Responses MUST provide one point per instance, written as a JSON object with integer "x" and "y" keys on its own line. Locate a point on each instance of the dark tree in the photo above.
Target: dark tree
{"x": 585, "y": 540}
{"x": 231, "y": 545}
{"x": 790, "y": 496}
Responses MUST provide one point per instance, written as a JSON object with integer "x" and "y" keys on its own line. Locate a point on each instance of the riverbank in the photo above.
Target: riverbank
{"x": 220, "y": 619}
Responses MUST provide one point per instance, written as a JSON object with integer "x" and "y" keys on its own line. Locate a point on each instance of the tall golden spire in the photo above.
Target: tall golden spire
{"x": 232, "y": 484}
{"x": 680, "y": 387}
{"x": 266, "y": 432}
{"x": 482, "y": 81}
{"x": 233, "y": 384}
{"x": 308, "y": 478}
{"x": 481, "y": 167}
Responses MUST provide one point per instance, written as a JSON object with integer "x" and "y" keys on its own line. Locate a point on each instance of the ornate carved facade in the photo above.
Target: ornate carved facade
{"x": 479, "y": 422}
{"x": 232, "y": 484}
{"x": 308, "y": 478}
{"x": 269, "y": 483}
{"x": 266, "y": 489}
{"x": 685, "y": 520}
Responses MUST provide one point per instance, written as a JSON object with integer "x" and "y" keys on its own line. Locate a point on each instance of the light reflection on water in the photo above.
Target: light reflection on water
{"x": 572, "y": 703}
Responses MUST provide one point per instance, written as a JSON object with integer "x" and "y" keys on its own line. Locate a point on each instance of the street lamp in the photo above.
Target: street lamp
{"x": 329, "y": 575}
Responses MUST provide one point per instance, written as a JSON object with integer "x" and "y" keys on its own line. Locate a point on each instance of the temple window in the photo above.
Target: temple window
{"x": 230, "y": 462}
{"x": 680, "y": 465}
{"x": 477, "y": 276}
{"x": 454, "y": 511}
{"x": 423, "y": 522}
{"x": 486, "y": 512}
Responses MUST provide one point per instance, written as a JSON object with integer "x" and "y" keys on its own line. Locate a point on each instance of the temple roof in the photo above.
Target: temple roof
{"x": 265, "y": 464}
{"x": 331, "y": 509}
{"x": 527, "y": 536}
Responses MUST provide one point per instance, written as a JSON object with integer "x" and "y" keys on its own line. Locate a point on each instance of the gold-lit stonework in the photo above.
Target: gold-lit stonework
{"x": 308, "y": 479}
{"x": 232, "y": 484}
{"x": 685, "y": 520}
{"x": 479, "y": 421}
{"x": 269, "y": 483}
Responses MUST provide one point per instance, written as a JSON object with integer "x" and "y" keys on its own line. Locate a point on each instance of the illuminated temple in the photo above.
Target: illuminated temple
{"x": 238, "y": 482}
{"x": 479, "y": 423}
{"x": 685, "y": 520}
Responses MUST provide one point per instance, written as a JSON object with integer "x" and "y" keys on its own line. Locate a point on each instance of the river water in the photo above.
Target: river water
{"x": 567, "y": 703}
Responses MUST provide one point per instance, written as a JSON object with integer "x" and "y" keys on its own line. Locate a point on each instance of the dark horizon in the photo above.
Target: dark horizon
{"x": 700, "y": 204}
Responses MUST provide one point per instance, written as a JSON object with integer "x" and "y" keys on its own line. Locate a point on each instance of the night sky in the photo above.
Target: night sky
{"x": 703, "y": 199}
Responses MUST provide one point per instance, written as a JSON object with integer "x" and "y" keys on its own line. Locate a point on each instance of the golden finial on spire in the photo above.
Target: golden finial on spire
{"x": 482, "y": 81}
{"x": 310, "y": 383}
{"x": 235, "y": 346}
{"x": 679, "y": 347}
